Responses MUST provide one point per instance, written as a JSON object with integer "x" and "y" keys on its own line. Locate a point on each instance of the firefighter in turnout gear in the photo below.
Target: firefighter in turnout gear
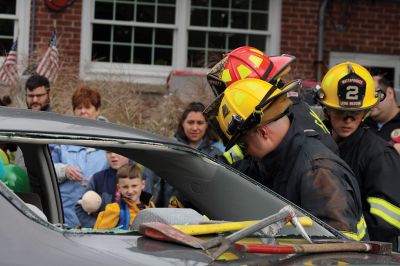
{"x": 298, "y": 167}
{"x": 249, "y": 62}
{"x": 347, "y": 93}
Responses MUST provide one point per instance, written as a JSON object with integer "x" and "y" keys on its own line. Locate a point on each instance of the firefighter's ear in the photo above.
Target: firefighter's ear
{"x": 264, "y": 131}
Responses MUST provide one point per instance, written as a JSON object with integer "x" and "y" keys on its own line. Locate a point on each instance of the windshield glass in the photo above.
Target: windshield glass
{"x": 211, "y": 189}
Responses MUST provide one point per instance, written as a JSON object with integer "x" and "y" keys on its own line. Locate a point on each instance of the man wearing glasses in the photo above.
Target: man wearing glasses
{"x": 347, "y": 94}
{"x": 385, "y": 117}
{"x": 37, "y": 90}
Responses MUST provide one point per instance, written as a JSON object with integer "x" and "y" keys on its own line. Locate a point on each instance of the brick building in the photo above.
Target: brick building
{"x": 144, "y": 40}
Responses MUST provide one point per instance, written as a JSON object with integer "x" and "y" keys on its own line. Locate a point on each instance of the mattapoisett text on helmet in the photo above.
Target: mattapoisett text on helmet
{"x": 348, "y": 86}
{"x": 247, "y": 62}
{"x": 246, "y": 104}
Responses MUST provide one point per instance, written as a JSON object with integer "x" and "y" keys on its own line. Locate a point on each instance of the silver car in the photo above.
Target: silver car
{"x": 214, "y": 189}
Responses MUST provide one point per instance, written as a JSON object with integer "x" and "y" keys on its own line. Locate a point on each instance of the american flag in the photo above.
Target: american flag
{"x": 9, "y": 71}
{"x": 49, "y": 64}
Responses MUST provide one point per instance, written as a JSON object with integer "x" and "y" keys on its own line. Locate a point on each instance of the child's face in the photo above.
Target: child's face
{"x": 131, "y": 188}
{"x": 115, "y": 160}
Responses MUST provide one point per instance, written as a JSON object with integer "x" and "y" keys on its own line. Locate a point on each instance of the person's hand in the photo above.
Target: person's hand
{"x": 73, "y": 173}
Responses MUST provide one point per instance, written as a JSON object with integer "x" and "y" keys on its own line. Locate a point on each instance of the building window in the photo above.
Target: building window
{"x": 14, "y": 24}
{"x": 143, "y": 40}
{"x": 388, "y": 65}
{"x": 130, "y": 32}
{"x": 8, "y": 17}
{"x": 220, "y": 26}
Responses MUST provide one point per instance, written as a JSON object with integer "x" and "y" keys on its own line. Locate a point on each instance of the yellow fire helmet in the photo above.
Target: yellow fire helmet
{"x": 245, "y": 104}
{"x": 348, "y": 86}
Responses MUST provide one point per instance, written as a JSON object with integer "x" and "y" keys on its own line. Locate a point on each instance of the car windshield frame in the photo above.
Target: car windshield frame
{"x": 167, "y": 159}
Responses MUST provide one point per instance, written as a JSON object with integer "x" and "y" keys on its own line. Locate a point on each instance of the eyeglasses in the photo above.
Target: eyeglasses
{"x": 381, "y": 93}
{"x": 344, "y": 115}
{"x": 31, "y": 96}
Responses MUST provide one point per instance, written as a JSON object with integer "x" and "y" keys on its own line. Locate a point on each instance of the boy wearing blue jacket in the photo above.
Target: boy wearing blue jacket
{"x": 103, "y": 183}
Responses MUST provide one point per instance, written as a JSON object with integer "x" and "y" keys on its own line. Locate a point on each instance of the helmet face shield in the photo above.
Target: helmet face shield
{"x": 214, "y": 77}
{"x": 241, "y": 129}
{"x": 217, "y": 85}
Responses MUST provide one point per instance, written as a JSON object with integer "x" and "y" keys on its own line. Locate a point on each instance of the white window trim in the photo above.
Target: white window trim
{"x": 376, "y": 60}
{"x": 21, "y": 31}
{"x": 151, "y": 74}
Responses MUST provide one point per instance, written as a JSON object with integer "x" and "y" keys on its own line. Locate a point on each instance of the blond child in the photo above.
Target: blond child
{"x": 122, "y": 213}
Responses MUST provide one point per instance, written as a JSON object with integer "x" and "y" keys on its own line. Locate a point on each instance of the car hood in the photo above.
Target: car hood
{"x": 140, "y": 250}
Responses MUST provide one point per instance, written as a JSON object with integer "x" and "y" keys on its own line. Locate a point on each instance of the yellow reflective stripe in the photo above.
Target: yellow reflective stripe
{"x": 228, "y": 157}
{"x": 226, "y": 76}
{"x": 385, "y": 210}
{"x": 243, "y": 71}
{"x": 318, "y": 122}
{"x": 256, "y": 51}
{"x": 237, "y": 153}
{"x": 257, "y": 61}
{"x": 361, "y": 230}
{"x": 234, "y": 154}
{"x": 350, "y": 235}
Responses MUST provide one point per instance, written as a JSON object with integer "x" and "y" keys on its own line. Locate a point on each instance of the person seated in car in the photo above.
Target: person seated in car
{"x": 122, "y": 213}
{"x": 103, "y": 183}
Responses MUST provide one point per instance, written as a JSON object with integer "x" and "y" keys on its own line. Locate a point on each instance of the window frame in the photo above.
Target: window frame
{"x": 21, "y": 30}
{"x": 365, "y": 59}
{"x": 157, "y": 74}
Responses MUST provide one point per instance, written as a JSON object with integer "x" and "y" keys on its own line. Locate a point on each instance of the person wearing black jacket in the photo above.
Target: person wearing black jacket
{"x": 347, "y": 93}
{"x": 384, "y": 119}
{"x": 385, "y": 116}
{"x": 296, "y": 166}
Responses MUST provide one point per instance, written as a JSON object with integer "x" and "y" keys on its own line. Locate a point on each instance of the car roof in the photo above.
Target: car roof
{"x": 164, "y": 156}
{"x": 32, "y": 122}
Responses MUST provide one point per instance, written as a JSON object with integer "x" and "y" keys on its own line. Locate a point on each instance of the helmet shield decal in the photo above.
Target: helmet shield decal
{"x": 351, "y": 91}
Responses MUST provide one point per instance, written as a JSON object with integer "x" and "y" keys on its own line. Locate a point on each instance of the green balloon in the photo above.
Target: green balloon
{"x": 2, "y": 171}
{"x": 16, "y": 178}
{"x": 4, "y": 157}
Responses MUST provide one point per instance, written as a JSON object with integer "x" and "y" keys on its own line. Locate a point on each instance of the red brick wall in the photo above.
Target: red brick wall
{"x": 68, "y": 24}
{"x": 369, "y": 27}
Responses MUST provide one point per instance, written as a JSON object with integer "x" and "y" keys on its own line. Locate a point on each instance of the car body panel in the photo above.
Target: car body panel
{"x": 29, "y": 240}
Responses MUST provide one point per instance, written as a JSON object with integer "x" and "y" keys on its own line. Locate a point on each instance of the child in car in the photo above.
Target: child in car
{"x": 122, "y": 213}
{"x": 103, "y": 184}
